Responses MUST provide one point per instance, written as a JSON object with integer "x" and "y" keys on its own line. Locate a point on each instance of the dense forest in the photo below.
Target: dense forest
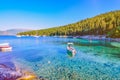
{"x": 104, "y": 24}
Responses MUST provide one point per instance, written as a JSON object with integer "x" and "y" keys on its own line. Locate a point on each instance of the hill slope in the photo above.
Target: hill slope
{"x": 104, "y": 24}
{"x": 13, "y": 31}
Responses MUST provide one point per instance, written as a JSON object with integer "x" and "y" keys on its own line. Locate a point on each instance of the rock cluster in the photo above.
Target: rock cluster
{"x": 9, "y": 72}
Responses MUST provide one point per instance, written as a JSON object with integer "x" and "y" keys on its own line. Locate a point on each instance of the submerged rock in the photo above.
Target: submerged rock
{"x": 41, "y": 78}
{"x": 34, "y": 58}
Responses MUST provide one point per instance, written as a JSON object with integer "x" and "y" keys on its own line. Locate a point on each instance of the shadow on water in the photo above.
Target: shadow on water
{"x": 117, "y": 55}
{"x": 34, "y": 58}
{"x": 99, "y": 43}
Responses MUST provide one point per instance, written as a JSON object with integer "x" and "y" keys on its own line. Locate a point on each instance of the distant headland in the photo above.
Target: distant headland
{"x": 13, "y": 31}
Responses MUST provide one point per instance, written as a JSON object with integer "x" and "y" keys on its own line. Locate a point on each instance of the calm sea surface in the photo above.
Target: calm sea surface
{"x": 47, "y": 57}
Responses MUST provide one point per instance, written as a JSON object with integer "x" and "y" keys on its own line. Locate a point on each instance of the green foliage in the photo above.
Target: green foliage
{"x": 104, "y": 24}
{"x": 115, "y": 33}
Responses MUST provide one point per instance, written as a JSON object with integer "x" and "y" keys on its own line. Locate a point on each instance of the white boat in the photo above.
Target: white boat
{"x": 70, "y": 50}
{"x": 44, "y": 35}
{"x": 36, "y": 36}
{"x": 18, "y": 36}
{"x": 5, "y": 47}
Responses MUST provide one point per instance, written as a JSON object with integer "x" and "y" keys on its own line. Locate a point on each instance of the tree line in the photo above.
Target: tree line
{"x": 104, "y": 24}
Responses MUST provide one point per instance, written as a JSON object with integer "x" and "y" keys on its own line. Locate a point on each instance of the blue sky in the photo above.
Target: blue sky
{"x": 39, "y": 14}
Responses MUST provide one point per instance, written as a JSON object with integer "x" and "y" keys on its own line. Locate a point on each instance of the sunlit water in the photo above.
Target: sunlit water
{"x": 47, "y": 57}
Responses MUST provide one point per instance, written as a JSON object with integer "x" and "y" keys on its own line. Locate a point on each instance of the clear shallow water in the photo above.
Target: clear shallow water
{"x": 46, "y": 56}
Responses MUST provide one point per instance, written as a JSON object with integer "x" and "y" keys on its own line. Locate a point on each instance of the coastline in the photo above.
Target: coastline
{"x": 89, "y": 37}
{"x": 98, "y": 37}
{"x": 92, "y": 37}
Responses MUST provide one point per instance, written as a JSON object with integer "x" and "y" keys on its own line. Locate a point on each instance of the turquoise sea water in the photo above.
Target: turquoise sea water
{"x": 47, "y": 57}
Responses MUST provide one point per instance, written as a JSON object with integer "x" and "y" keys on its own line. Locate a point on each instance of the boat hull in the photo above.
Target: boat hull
{"x": 5, "y": 49}
{"x": 70, "y": 53}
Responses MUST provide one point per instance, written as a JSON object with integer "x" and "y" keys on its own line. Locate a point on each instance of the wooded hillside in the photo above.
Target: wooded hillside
{"x": 103, "y": 24}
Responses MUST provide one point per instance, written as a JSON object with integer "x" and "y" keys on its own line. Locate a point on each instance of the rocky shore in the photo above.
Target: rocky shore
{"x": 8, "y": 71}
{"x": 98, "y": 37}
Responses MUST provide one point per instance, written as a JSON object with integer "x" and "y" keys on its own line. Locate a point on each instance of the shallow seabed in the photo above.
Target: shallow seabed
{"x": 47, "y": 57}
